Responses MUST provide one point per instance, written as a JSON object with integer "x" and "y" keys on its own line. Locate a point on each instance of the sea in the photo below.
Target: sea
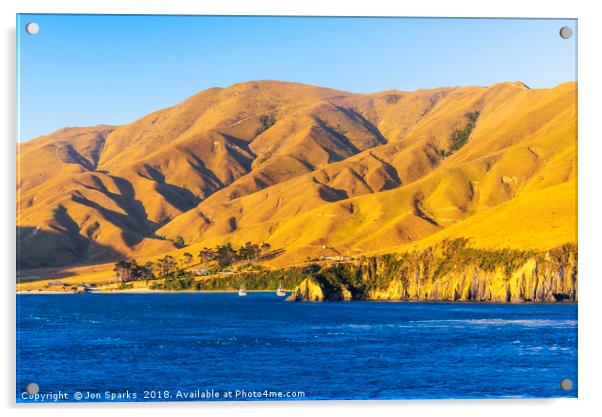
{"x": 225, "y": 347}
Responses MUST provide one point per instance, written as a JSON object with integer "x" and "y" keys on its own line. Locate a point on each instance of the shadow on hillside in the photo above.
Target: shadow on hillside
{"x": 367, "y": 124}
{"x": 420, "y": 212}
{"x": 126, "y": 200}
{"x": 271, "y": 255}
{"x": 342, "y": 141}
{"x": 131, "y": 229}
{"x": 212, "y": 182}
{"x": 65, "y": 246}
{"x": 234, "y": 144}
{"x": 69, "y": 155}
{"x": 331, "y": 194}
{"x": 393, "y": 181}
{"x": 179, "y": 197}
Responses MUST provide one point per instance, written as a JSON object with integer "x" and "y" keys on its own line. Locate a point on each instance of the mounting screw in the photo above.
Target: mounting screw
{"x": 32, "y": 28}
{"x": 566, "y": 384}
{"x": 32, "y": 388}
{"x": 566, "y": 32}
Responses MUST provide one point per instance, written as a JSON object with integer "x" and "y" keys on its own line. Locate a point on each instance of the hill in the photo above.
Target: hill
{"x": 310, "y": 170}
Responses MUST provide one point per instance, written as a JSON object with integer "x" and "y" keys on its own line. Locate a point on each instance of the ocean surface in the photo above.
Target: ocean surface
{"x": 199, "y": 346}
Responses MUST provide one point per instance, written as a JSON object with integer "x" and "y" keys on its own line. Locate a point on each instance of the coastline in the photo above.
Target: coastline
{"x": 149, "y": 291}
{"x": 141, "y": 291}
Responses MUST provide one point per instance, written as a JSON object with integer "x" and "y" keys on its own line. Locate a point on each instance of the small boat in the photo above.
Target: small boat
{"x": 242, "y": 292}
{"x": 280, "y": 292}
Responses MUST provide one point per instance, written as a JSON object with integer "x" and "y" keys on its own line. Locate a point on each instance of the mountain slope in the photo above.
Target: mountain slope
{"x": 304, "y": 168}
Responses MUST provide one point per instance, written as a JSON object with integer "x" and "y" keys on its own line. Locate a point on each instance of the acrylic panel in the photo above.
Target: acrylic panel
{"x": 221, "y": 208}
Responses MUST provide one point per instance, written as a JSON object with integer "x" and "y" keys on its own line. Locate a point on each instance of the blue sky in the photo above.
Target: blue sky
{"x": 86, "y": 69}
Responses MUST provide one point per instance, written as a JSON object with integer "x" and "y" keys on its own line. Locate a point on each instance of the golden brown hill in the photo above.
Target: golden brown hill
{"x": 304, "y": 167}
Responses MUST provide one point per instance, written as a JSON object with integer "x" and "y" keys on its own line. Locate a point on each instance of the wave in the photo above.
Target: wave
{"x": 502, "y": 322}
{"x": 447, "y": 323}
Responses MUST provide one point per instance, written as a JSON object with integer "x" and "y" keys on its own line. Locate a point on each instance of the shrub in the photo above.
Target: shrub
{"x": 266, "y": 121}
{"x": 179, "y": 242}
{"x": 392, "y": 98}
{"x": 460, "y": 136}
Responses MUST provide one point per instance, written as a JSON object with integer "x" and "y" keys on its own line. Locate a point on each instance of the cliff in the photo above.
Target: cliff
{"x": 312, "y": 290}
{"x": 450, "y": 272}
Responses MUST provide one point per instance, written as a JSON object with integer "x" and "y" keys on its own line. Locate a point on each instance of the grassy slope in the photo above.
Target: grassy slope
{"x": 537, "y": 167}
{"x": 513, "y": 184}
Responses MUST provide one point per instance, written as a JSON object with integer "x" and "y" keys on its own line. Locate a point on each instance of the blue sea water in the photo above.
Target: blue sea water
{"x": 182, "y": 346}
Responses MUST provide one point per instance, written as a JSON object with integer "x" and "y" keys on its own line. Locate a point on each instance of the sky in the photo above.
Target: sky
{"x": 83, "y": 70}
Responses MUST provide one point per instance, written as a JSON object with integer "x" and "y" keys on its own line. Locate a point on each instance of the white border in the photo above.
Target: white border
{"x": 590, "y": 163}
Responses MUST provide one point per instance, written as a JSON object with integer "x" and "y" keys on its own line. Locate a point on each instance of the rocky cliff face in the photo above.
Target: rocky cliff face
{"x": 451, "y": 272}
{"x": 311, "y": 290}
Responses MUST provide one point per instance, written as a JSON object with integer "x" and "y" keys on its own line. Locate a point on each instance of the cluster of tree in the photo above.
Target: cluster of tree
{"x": 177, "y": 284}
{"x": 129, "y": 270}
{"x": 170, "y": 267}
{"x": 226, "y": 255}
{"x": 179, "y": 242}
{"x": 432, "y": 264}
{"x": 254, "y": 280}
{"x": 166, "y": 266}
{"x": 266, "y": 121}
{"x": 459, "y": 137}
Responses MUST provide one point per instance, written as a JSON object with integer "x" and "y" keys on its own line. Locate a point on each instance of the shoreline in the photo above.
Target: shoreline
{"x": 149, "y": 291}
{"x": 143, "y": 291}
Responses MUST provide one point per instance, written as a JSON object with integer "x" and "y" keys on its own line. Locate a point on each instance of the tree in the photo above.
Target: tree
{"x": 255, "y": 251}
{"x": 167, "y": 265}
{"x": 460, "y": 137}
{"x": 225, "y": 255}
{"x": 157, "y": 268}
{"x": 266, "y": 121}
{"x": 265, "y": 247}
{"x": 123, "y": 270}
{"x": 187, "y": 256}
{"x": 206, "y": 255}
{"x": 149, "y": 267}
{"x": 179, "y": 242}
{"x": 248, "y": 252}
{"x": 129, "y": 270}
{"x": 141, "y": 271}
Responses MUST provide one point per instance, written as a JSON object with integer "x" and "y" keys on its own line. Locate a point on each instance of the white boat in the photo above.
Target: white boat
{"x": 280, "y": 292}
{"x": 242, "y": 292}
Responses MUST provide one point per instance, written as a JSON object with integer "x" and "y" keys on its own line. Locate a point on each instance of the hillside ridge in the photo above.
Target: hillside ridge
{"x": 303, "y": 168}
